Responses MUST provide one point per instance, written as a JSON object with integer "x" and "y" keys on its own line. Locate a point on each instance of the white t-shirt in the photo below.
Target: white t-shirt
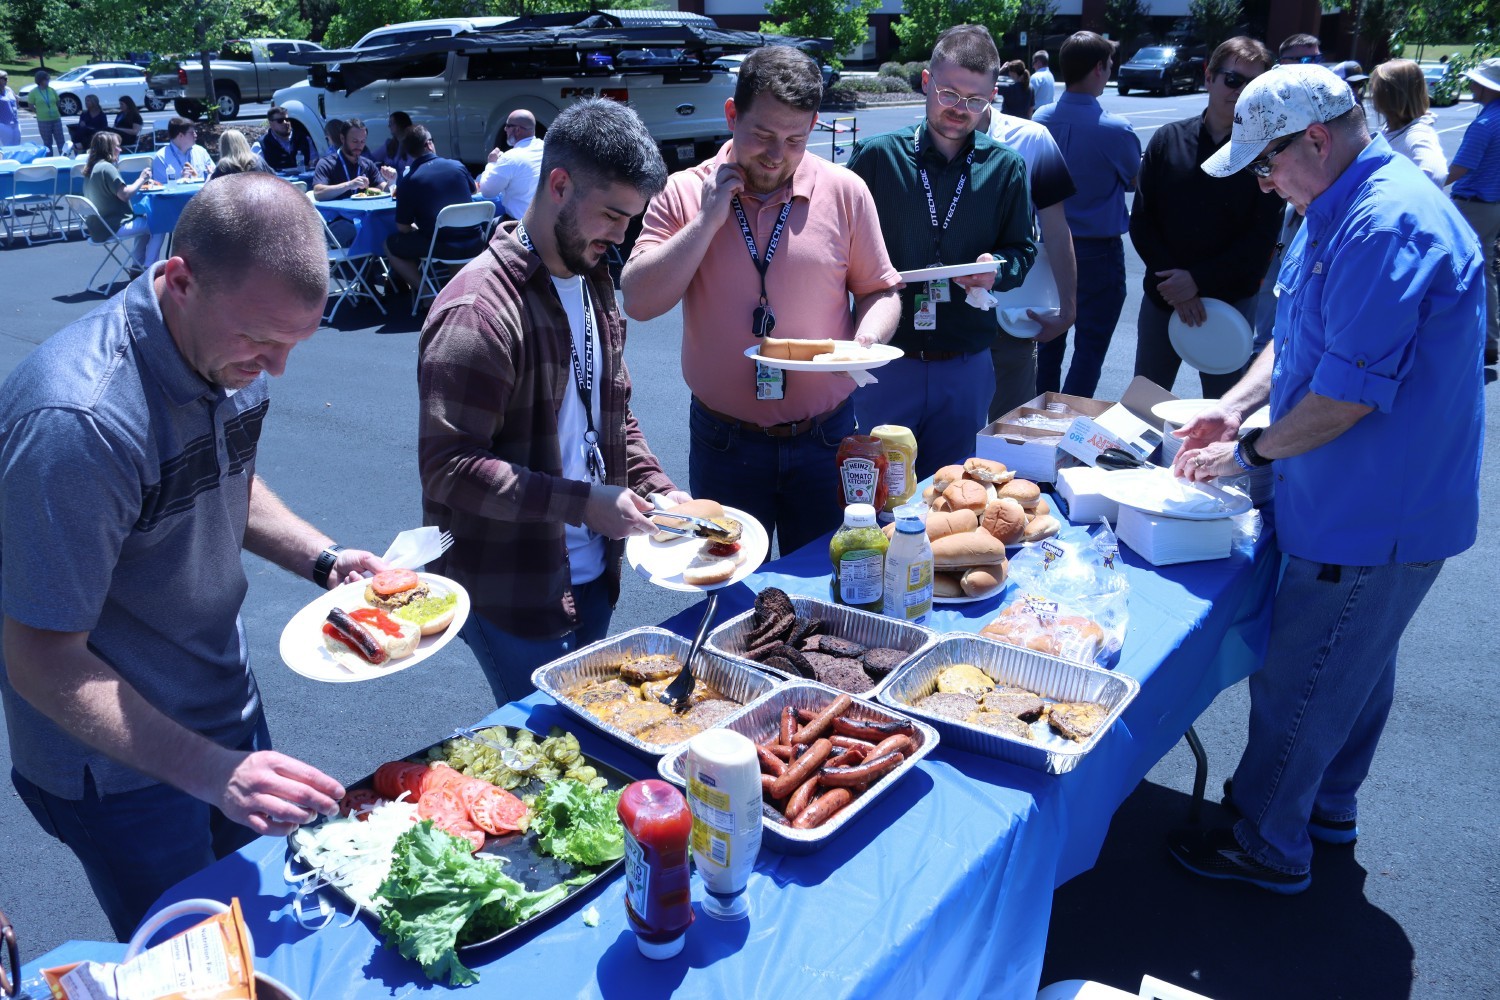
{"x": 513, "y": 178}
{"x": 585, "y": 549}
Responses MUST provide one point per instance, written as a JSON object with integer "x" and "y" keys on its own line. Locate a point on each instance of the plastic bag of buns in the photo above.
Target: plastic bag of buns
{"x": 1074, "y": 598}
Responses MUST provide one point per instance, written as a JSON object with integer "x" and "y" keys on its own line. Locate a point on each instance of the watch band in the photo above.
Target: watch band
{"x": 323, "y": 565}
{"x": 1247, "y": 447}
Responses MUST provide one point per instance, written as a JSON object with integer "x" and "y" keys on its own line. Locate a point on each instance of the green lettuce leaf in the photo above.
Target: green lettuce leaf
{"x": 577, "y": 824}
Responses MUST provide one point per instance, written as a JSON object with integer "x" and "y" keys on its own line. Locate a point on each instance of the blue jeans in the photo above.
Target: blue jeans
{"x": 944, "y": 403}
{"x": 1101, "y": 296}
{"x": 1319, "y": 705}
{"x": 136, "y": 845}
{"x": 509, "y": 660}
{"x": 789, "y": 485}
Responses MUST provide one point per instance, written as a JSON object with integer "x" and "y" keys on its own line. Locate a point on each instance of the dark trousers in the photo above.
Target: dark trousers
{"x": 1157, "y": 359}
{"x": 1101, "y": 296}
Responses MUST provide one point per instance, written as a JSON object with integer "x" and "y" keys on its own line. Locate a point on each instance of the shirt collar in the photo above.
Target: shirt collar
{"x": 159, "y": 352}
{"x": 1334, "y": 202}
{"x": 1075, "y": 97}
{"x": 932, "y": 154}
{"x": 804, "y": 180}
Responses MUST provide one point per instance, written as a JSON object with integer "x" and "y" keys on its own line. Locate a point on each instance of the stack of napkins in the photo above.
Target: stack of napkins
{"x": 1079, "y": 485}
{"x": 1162, "y": 541}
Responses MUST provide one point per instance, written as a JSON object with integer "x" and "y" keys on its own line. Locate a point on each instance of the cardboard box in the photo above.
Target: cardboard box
{"x": 1037, "y": 454}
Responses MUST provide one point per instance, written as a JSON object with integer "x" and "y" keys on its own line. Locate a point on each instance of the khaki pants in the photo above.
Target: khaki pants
{"x": 1484, "y": 216}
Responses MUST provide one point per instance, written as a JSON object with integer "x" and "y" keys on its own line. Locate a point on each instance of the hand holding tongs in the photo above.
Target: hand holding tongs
{"x": 702, "y": 527}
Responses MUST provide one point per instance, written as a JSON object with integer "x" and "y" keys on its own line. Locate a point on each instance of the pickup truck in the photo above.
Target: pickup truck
{"x": 462, "y": 86}
{"x": 244, "y": 69}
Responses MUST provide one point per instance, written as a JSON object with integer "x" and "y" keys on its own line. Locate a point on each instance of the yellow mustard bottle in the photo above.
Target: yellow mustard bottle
{"x": 900, "y": 446}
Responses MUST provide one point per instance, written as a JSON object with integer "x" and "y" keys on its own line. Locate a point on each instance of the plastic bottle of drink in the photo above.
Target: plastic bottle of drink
{"x": 908, "y": 568}
{"x": 171, "y": 174}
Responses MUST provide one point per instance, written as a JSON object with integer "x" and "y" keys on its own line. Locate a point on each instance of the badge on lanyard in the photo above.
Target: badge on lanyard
{"x": 938, "y": 291}
{"x": 770, "y": 383}
{"x": 925, "y": 317}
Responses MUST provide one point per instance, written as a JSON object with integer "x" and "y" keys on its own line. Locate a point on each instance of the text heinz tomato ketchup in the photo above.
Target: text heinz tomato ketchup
{"x": 658, "y": 896}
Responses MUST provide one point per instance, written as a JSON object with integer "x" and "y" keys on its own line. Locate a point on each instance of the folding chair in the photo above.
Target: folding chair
{"x": 477, "y": 214}
{"x": 132, "y": 166}
{"x": 35, "y": 190}
{"x": 116, "y": 249}
{"x": 346, "y": 272}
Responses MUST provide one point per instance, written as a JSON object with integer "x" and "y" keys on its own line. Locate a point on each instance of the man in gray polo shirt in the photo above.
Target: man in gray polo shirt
{"x": 127, "y": 489}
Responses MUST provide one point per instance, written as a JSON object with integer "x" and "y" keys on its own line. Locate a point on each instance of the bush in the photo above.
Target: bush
{"x": 875, "y": 85}
{"x": 913, "y": 72}
{"x": 892, "y": 69}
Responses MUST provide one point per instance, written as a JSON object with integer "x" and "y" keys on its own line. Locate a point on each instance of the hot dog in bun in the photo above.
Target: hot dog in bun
{"x": 795, "y": 350}
{"x": 967, "y": 550}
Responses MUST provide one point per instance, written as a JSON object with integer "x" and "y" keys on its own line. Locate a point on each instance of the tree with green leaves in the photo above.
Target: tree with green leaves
{"x": 847, "y": 22}
{"x": 1215, "y": 20}
{"x": 923, "y": 20}
{"x": 1035, "y": 18}
{"x": 1125, "y": 20}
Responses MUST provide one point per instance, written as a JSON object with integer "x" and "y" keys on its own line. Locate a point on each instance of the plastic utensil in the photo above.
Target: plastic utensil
{"x": 681, "y": 688}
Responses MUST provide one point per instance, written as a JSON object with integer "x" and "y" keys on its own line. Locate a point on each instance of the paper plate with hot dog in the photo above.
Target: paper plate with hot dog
{"x": 375, "y": 627}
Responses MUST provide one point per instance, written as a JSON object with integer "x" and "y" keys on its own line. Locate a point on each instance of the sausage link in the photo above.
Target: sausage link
{"x": 769, "y": 762}
{"x": 803, "y": 768}
{"x": 823, "y": 809}
{"x": 354, "y": 635}
{"x": 900, "y": 743}
{"x": 875, "y": 732}
{"x": 860, "y": 774}
{"x": 801, "y": 798}
{"x": 781, "y": 750}
{"x": 819, "y": 725}
{"x": 765, "y": 784}
{"x": 788, "y": 725}
{"x": 846, "y": 757}
{"x": 850, "y": 743}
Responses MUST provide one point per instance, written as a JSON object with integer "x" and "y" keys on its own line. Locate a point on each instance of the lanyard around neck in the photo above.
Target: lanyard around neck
{"x": 583, "y": 374}
{"x": 762, "y": 264}
{"x": 958, "y": 192}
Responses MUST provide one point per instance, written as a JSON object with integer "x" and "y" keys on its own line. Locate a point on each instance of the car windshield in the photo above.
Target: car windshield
{"x": 77, "y": 73}
{"x": 1153, "y": 55}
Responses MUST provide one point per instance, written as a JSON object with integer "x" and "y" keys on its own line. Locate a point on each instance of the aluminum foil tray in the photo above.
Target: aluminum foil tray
{"x": 735, "y": 679}
{"x": 762, "y": 719}
{"x": 863, "y": 627}
{"x": 1051, "y": 677}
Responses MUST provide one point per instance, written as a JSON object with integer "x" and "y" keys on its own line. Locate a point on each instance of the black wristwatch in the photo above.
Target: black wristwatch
{"x": 1247, "y": 448}
{"x": 323, "y": 565}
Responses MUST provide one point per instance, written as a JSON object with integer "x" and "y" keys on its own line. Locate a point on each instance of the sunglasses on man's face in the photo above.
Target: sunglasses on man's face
{"x": 1233, "y": 80}
{"x": 1316, "y": 57}
{"x": 1262, "y": 166}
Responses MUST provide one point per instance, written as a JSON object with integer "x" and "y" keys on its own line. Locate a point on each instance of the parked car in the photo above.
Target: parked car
{"x": 1159, "y": 68}
{"x": 1440, "y": 95}
{"x": 106, "y": 81}
{"x": 244, "y": 69}
{"x": 732, "y": 63}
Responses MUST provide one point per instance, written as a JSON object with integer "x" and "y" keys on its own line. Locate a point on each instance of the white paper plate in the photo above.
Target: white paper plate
{"x": 1016, "y": 323}
{"x": 1157, "y": 491}
{"x": 965, "y": 600}
{"x": 1180, "y": 411}
{"x": 302, "y": 646}
{"x": 1221, "y": 345}
{"x": 950, "y": 271}
{"x": 662, "y": 563}
{"x": 370, "y": 197}
{"x": 878, "y": 355}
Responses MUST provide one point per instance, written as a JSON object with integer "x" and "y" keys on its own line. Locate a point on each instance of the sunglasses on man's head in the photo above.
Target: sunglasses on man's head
{"x": 1232, "y": 79}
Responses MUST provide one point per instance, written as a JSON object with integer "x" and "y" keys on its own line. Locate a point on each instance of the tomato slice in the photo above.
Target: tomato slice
{"x": 389, "y": 778}
{"x": 723, "y": 550}
{"x": 358, "y": 802}
{"x": 439, "y": 775}
{"x": 409, "y": 780}
{"x": 498, "y": 811}
{"x": 448, "y": 813}
{"x": 393, "y": 581}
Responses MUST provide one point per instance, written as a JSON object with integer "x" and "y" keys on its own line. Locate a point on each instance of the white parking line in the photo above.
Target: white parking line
{"x": 1453, "y": 129}
{"x": 1153, "y": 111}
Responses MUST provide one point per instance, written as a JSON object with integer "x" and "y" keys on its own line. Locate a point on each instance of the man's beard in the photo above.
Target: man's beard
{"x": 572, "y": 246}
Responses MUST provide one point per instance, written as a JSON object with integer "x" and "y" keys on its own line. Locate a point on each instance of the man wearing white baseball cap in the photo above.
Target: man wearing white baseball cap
{"x": 1475, "y": 176}
{"x": 1375, "y": 365}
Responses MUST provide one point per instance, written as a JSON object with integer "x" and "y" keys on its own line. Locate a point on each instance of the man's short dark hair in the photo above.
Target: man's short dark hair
{"x": 600, "y": 142}
{"x": 400, "y": 119}
{"x": 1245, "y": 49}
{"x": 414, "y": 143}
{"x": 335, "y": 126}
{"x": 969, "y": 47}
{"x": 254, "y": 226}
{"x": 354, "y": 123}
{"x": 1081, "y": 53}
{"x": 783, "y": 73}
{"x": 177, "y": 126}
{"x": 1297, "y": 41}
{"x": 1040, "y": 56}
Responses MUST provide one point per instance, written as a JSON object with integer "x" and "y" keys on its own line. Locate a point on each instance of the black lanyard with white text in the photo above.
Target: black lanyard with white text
{"x": 763, "y": 321}
{"x": 583, "y": 374}
{"x": 958, "y": 192}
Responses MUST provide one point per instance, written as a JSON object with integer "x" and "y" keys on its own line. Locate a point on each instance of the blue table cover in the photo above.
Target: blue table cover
{"x": 944, "y": 888}
{"x": 374, "y": 220}
{"x": 163, "y": 208}
{"x": 24, "y": 153}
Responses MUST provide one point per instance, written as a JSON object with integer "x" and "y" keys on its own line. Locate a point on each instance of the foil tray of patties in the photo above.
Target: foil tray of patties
{"x": 1053, "y": 679}
{"x": 563, "y": 678}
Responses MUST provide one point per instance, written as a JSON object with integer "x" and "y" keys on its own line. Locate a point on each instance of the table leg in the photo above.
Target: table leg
{"x": 1200, "y": 774}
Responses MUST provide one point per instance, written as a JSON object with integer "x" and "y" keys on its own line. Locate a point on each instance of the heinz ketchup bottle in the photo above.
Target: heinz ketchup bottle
{"x": 658, "y": 897}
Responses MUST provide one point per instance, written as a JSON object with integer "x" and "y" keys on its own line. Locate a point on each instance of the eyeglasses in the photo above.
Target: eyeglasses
{"x": 1232, "y": 79}
{"x": 1262, "y": 166}
{"x": 1316, "y": 57}
{"x": 276, "y": 121}
{"x": 973, "y": 105}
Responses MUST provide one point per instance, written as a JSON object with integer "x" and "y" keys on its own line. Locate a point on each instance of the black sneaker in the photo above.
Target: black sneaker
{"x": 1339, "y": 832}
{"x": 1217, "y": 854}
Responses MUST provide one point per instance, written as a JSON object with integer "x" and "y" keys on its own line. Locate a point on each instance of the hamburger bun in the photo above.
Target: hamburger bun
{"x": 795, "y": 350}
{"x": 983, "y": 581}
{"x": 1041, "y": 527}
{"x": 967, "y": 550}
{"x": 988, "y": 471}
{"x": 966, "y": 495}
{"x": 938, "y": 506}
{"x": 1005, "y": 520}
{"x": 693, "y": 508}
{"x": 946, "y": 585}
{"x": 946, "y": 477}
{"x": 930, "y": 494}
{"x": 1023, "y": 491}
{"x": 943, "y": 523}
{"x": 1020, "y": 632}
{"x": 1042, "y": 506}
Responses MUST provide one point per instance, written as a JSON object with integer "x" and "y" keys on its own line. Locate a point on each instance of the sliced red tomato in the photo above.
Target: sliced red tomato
{"x": 448, "y": 813}
{"x": 391, "y": 778}
{"x": 497, "y": 811}
{"x": 358, "y": 802}
{"x": 440, "y": 775}
{"x": 722, "y": 550}
{"x": 393, "y": 581}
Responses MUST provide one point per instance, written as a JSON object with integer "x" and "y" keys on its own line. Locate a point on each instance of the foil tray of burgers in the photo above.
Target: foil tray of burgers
{"x": 804, "y": 638}
{"x": 761, "y": 721}
{"x": 613, "y": 685}
{"x": 1015, "y": 704}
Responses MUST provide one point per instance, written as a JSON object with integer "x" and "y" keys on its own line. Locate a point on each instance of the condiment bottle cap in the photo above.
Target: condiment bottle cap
{"x": 910, "y": 518}
{"x": 661, "y": 949}
{"x": 859, "y": 515}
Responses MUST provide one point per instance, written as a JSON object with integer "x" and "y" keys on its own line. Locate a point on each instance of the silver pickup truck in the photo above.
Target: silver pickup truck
{"x": 243, "y": 70}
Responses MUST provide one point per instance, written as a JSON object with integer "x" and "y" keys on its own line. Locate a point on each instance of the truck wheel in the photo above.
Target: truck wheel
{"x": 191, "y": 110}
{"x": 154, "y": 103}
{"x": 1122, "y": 90}
{"x": 69, "y": 104}
{"x": 227, "y": 96}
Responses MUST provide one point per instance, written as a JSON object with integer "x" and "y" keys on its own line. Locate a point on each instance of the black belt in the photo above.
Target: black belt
{"x": 1469, "y": 197}
{"x": 787, "y": 430}
{"x": 940, "y": 355}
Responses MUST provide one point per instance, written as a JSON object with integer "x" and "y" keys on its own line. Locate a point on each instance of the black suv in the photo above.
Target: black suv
{"x": 1159, "y": 68}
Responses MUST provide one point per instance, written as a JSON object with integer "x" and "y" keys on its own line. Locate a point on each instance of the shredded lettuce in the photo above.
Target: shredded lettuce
{"x": 578, "y": 824}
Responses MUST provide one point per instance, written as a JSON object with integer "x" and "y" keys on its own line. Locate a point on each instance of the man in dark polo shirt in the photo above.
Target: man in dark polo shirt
{"x": 946, "y": 194}
{"x": 432, "y": 183}
{"x": 342, "y": 172}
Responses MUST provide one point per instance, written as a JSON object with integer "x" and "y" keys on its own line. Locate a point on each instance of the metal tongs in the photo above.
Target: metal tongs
{"x": 1113, "y": 459}
{"x": 681, "y": 689}
{"x": 702, "y": 527}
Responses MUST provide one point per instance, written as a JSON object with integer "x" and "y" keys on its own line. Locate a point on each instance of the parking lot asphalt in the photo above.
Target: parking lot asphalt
{"x": 1408, "y": 912}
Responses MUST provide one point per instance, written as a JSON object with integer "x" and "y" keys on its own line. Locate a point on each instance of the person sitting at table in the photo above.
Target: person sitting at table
{"x": 182, "y": 157}
{"x": 339, "y": 174}
{"x": 91, "y": 120}
{"x": 286, "y": 142}
{"x": 107, "y": 191}
{"x": 432, "y": 184}
{"x": 333, "y": 132}
{"x": 389, "y": 153}
{"x": 128, "y": 121}
{"x": 511, "y": 176}
{"x": 10, "y": 119}
{"x": 236, "y": 156}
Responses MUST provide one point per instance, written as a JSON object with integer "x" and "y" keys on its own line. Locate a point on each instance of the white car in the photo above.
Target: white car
{"x": 107, "y": 81}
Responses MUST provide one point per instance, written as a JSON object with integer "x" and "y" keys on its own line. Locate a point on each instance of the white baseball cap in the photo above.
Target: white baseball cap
{"x": 1280, "y": 103}
{"x": 1486, "y": 74}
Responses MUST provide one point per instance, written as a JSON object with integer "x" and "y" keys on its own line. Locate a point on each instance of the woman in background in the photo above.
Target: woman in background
{"x": 91, "y": 121}
{"x": 107, "y": 191}
{"x": 1015, "y": 90}
{"x": 10, "y": 120}
{"x": 128, "y": 122}
{"x": 1400, "y": 94}
{"x": 236, "y": 156}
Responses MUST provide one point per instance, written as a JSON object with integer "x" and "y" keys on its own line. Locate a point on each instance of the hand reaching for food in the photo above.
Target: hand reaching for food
{"x": 615, "y": 512}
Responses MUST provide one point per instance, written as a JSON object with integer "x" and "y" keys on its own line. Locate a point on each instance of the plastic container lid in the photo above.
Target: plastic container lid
{"x": 910, "y": 519}
{"x": 661, "y": 949}
{"x": 859, "y": 515}
{"x": 733, "y": 906}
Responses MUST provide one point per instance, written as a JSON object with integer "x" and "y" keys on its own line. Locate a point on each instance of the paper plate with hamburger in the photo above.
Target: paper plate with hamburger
{"x": 821, "y": 355}
{"x": 699, "y": 545}
{"x": 373, "y": 628}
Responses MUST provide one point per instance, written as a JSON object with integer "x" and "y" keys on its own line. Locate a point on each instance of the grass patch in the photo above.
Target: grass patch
{"x": 56, "y": 65}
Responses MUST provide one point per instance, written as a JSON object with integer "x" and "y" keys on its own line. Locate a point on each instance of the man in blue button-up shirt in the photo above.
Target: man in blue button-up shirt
{"x": 1475, "y": 176}
{"x": 1375, "y": 368}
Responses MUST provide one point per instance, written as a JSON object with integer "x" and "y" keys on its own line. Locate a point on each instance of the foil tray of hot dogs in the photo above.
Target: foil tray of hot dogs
{"x": 737, "y": 680}
{"x": 869, "y": 630}
{"x": 761, "y": 720}
{"x": 1053, "y": 679}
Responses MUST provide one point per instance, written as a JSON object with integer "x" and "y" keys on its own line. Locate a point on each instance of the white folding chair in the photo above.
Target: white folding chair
{"x": 116, "y": 248}
{"x": 1085, "y": 989}
{"x": 131, "y": 167}
{"x": 474, "y": 215}
{"x": 346, "y": 272}
{"x": 35, "y": 189}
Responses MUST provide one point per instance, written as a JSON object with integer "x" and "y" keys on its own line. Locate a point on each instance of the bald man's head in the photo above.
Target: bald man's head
{"x": 254, "y": 223}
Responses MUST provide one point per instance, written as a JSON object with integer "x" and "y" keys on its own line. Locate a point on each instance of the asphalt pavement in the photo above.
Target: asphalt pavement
{"x": 1408, "y": 912}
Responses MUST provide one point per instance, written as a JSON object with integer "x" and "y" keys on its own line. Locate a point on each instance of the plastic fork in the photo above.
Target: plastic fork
{"x": 445, "y": 542}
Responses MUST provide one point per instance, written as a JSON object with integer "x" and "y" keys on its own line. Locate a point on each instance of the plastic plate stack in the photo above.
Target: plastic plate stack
{"x": 1259, "y": 485}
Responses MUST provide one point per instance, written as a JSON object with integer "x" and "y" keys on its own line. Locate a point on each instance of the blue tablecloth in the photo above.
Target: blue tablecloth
{"x": 163, "y": 208}
{"x": 374, "y": 219}
{"x": 24, "y": 153}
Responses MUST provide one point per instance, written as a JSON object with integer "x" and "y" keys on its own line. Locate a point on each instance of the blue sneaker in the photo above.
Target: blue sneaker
{"x": 1217, "y": 854}
{"x": 1340, "y": 832}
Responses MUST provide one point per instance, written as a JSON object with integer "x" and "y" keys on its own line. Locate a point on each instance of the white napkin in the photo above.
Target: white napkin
{"x": 980, "y": 298}
{"x": 862, "y": 378}
{"x": 414, "y": 548}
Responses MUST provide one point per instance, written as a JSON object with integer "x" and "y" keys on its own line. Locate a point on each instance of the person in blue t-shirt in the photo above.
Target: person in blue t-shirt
{"x": 1381, "y": 301}
{"x": 1475, "y": 176}
{"x": 432, "y": 183}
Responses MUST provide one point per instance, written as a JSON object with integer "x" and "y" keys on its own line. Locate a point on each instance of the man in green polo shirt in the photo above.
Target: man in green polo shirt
{"x": 948, "y": 194}
{"x": 43, "y": 101}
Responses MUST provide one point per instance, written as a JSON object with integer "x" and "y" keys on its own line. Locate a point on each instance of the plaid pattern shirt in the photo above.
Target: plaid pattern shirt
{"x": 493, "y": 366}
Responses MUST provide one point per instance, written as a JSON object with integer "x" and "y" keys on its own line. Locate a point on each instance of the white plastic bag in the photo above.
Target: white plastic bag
{"x": 1067, "y": 582}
